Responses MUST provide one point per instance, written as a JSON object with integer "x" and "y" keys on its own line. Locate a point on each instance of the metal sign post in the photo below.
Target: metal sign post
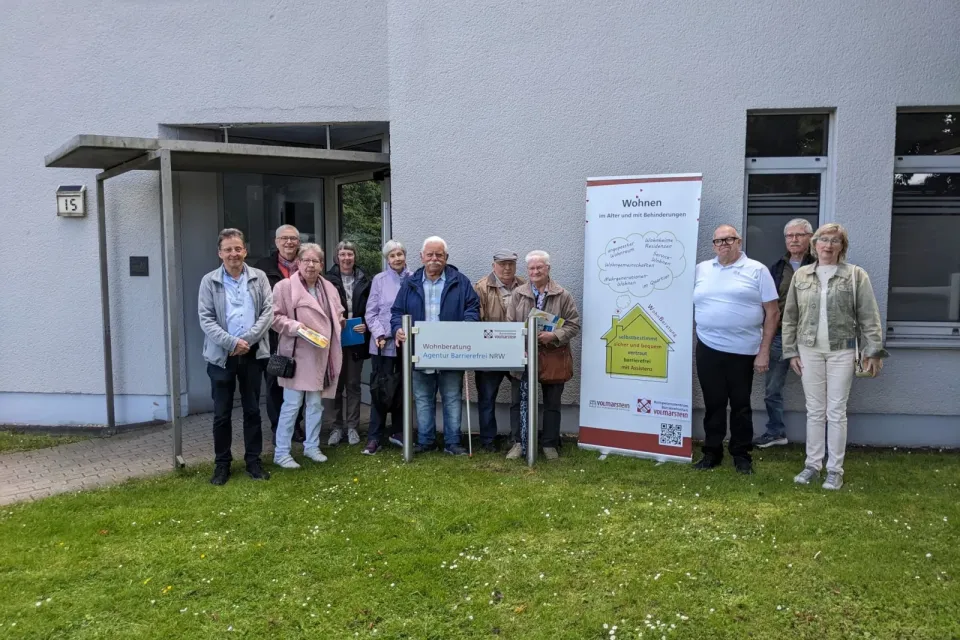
{"x": 406, "y": 357}
{"x": 533, "y": 375}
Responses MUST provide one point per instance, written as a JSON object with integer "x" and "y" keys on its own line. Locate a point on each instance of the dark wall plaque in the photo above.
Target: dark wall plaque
{"x": 139, "y": 266}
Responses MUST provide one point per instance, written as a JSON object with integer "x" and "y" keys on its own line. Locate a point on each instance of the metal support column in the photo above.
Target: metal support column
{"x": 406, "y": 357}
{"x": 105, "y": 306}
{"x": 171, "y": 304}
{"x": 533, "y": 375}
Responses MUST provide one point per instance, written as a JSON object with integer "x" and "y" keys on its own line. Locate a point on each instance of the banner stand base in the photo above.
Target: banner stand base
{"x": 659, "y": 457}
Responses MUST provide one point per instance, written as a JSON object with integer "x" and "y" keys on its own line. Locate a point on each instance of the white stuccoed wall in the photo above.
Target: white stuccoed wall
{"x": 500, "y": 110}
{"x": 123, "y": 69}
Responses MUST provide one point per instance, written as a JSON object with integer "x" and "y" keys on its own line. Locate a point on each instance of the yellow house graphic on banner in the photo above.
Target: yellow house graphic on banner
{"x": 636, "y": 346}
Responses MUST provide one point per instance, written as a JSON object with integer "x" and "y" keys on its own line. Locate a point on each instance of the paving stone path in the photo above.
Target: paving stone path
{"x": 98, "y": 462}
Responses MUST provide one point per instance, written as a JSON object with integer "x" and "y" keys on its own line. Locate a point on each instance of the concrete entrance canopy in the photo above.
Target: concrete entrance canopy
{"x": 115, "y": 156}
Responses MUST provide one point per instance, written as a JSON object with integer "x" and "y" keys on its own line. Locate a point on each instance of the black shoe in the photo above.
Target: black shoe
{"x": 422, "y": 448}
{"x": 455, "y": 450}
{"x": 707, "y": 462}
{"x": 743, "y": 465}
{"x": 221, "y": 473}
{"x": 256, "y": 471}
{"x": 490, "y": 447}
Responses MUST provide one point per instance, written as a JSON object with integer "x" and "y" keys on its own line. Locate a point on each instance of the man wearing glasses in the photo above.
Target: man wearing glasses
{"x": 797, "y": 235}
{"x": 279, "y": 265}
{"x": 736, "y": 312}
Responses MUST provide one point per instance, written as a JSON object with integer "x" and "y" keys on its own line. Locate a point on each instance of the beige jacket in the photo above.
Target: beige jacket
{"x": 559, "y": 302}
{"x": 492, "y": 308}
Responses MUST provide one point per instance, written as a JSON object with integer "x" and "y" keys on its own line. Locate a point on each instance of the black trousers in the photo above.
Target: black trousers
{"x": 378, "y": 421}
{"x": 726, "y": 378}
{"x": 550, "y": 416}
{"x": 246, "y": 371}
{"x": 488, "y": 386}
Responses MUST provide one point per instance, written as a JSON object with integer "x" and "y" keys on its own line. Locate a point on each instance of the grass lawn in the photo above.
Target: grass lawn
{"x": 458, "y": 548}
{"x": 11, "y": 441}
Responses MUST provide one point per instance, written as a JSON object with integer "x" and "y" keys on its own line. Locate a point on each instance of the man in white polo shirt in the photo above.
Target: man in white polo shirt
{"x": 735, "y": 308}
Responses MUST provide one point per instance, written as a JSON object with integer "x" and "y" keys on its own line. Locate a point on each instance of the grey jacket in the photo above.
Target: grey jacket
{"x": 801, "y": 313}
{"x": 217, "y": 343}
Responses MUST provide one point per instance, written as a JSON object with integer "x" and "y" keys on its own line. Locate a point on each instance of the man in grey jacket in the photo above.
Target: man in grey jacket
{"x": 236, "y": 312}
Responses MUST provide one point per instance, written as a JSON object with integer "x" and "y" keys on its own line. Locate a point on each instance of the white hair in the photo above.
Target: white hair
{"x": 392, "y": 245}
{"x": 537, "y": 253}
{"x": 433, "y": 240}
{"x": 799, "y": 222}
{"x": 308, "y": 247}
{"x": 286, "y": 227}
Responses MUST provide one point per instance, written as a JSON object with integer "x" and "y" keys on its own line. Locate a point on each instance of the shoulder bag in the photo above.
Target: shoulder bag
{"x": 280, "y": 366}
{"x": 555, "y": 364}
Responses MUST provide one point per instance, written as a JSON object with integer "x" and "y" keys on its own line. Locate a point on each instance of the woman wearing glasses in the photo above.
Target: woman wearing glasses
{"x": 306, "y": 299}
{"x": 830, "y": 313}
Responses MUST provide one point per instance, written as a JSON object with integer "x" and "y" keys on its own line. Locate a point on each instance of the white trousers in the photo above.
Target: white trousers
{"x": 292, "y": 399}
{"x": 826, "y": 384}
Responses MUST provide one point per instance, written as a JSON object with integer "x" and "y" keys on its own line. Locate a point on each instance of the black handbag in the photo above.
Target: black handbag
{"x": 280, "y": 366}
{"x": 385, "y": 387}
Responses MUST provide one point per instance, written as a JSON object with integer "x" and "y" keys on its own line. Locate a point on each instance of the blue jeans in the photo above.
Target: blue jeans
{"x": 488, "y": 386}
{"x": 425, "y": 387}
{"x": 292, "y": 401}
{"x": 776, "y": 377}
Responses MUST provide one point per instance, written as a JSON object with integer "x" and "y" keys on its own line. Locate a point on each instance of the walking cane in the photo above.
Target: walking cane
{"x": 466, "y": 394}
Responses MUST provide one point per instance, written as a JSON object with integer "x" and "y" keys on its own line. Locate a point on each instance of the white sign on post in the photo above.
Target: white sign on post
{"x": 476, "y": 346}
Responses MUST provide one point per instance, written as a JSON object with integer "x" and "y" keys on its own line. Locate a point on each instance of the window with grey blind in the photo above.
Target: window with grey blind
{"x": 786, "y": 170}
{"x": 924, "y": 300}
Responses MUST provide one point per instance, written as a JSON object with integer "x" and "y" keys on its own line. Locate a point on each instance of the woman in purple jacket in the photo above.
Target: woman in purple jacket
{"x": 383, "y": 291}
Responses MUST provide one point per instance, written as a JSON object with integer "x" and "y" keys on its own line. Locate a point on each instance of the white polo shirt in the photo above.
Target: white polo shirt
{"x": 728, "y": 304}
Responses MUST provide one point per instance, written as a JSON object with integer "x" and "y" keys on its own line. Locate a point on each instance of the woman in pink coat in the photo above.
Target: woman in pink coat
{"x": 306, "y": 299}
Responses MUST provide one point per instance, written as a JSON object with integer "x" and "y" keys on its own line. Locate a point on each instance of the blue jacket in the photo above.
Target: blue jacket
{"x": 458, "y": 302}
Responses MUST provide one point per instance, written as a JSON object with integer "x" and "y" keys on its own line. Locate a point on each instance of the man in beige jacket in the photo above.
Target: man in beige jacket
{"x": 494, "y": 290}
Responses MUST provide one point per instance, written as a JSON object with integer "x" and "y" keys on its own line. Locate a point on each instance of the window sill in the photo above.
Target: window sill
{"x": 922, "y": 343}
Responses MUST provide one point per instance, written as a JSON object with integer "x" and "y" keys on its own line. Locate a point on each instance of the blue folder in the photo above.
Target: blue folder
{"x": 349, "y": 337}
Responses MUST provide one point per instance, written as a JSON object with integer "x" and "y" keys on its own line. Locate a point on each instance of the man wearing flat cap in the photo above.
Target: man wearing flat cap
{"x": 494, "y": 290}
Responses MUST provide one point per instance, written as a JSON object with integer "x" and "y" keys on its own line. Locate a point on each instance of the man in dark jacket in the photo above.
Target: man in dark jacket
{"x": 354, "y": 287}
{"x": 280, "y": 264}
{"x": 797, "y": 235}
{"x": 436, "y": 292}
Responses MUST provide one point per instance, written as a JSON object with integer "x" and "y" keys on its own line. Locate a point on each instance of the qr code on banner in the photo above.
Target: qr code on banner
{"x": 671, "y": 435}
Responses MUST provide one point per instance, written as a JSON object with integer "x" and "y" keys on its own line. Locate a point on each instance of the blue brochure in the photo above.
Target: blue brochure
{"x": 349, "y": 337}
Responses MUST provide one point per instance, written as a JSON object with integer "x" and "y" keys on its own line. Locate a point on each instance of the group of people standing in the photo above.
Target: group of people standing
{"x": 811, "y": 312}
{"x": 250, "y": 313}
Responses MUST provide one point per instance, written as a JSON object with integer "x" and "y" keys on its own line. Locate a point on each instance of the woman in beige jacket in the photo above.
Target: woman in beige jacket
{"x": 544, "y": 294}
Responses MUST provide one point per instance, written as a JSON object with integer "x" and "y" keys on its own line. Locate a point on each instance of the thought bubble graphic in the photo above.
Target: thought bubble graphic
{"x": 622, "y": 302}
{"x": 641, "y": 263}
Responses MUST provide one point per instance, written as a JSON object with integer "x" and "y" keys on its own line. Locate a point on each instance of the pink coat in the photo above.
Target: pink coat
{"x": 290, "y": 294}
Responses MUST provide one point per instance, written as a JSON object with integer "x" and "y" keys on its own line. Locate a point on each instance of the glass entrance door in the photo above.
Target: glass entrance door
{"x": 360, "y": 205}
{"x": 257, "y": 204}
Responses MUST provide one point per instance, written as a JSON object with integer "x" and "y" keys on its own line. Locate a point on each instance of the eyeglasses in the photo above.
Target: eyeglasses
{"x": 796, "y": 236}
{"x": 829, "y": 240}
{"x": 289, "y": 238}
{"x": 728, "y": 241}
{"x": 309, "y": 261}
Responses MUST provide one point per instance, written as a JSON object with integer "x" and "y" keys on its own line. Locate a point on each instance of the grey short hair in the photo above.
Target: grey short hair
{"x": 433, "y": 239}
{"x": 230, "y": 233}
{"x": 347, "y": 245}
{"x": 799, "y": 222}
{"x": 537, "y": 253}
{"x": 311, "y": 246}
{"x": 285, "y": 227}
{"x": 392, "y": 245}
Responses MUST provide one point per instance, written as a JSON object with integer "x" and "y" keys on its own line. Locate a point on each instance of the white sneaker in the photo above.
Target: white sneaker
{"x": 353, "y": 437}
{"x": 550, "y": 453}
{"x": 286, "y": 462}
{"x": 315, "y": 455}
{"x": 805, "y": 476}
{"x": 515, "y": 452}
{"x": 834, "y": 481}
{"x": 335, "y": 437}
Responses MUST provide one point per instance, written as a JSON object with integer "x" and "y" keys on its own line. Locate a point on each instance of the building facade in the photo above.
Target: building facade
{"x": 493, "y": 115}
